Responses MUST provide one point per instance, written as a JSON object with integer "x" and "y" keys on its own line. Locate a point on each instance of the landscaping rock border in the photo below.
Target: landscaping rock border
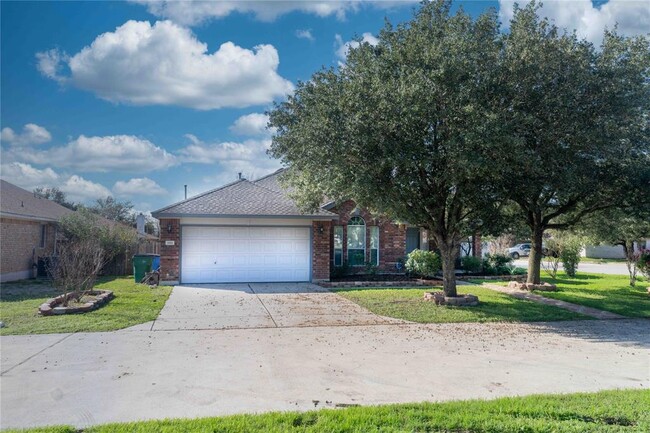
{"x": 520, "y": 278}
{"x": 408, "y": 283}
{"x": 52, "y": 306}
{"x": 439, "y": 298}
{"x": 544, "y": 287}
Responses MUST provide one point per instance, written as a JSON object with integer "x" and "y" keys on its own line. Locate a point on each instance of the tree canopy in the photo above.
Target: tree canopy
{"x": 404, "y": 128}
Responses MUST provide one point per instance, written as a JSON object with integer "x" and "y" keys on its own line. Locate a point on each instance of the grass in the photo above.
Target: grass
{"x": 623, "y": 411}
{"x": 605, "y": 292}
{"x": 133, "y": 304}
{"x": 602, "y": 291}
{"x": 408, "y": 304}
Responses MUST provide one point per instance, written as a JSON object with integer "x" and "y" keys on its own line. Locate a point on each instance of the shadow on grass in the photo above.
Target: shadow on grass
{"x": 626, "y": 332}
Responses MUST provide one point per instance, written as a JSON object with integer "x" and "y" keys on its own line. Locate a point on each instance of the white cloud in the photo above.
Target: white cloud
{"x": 138, "y": 186}
{"x": 197, "y": 12}
{"x": 28, "y": 177}
{"x": 50, "y": 64}
{"x": 230, "y": 158}
{"x": 207, "y": 153}
{"x": 103, "y": 154}
{"x": 79, "y": 189}
{"x": 342, "y": 47}
{"x": 76, "y": 187}
{"x": 589, "y": 21}
{"x": 304, "y": 34}
{"x": 32, "y": 134}
{"x": 165, "y": 64}
{"x": 253, "y": 124}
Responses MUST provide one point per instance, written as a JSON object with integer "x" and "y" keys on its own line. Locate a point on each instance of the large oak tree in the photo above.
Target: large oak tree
{"x": 577, "y": 125}
{"x": 404, "y": 128}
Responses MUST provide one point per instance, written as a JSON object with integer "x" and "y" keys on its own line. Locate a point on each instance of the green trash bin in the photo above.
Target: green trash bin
{"x": 142, "y": 263}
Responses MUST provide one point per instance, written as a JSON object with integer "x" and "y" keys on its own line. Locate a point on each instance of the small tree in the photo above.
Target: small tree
{"x": 90, "y": 242}
{"x": 56, "y": 195}
{"x": 76, "y": 267}
{"x": 628, "y": 228}
{"x": 115, "y": 210}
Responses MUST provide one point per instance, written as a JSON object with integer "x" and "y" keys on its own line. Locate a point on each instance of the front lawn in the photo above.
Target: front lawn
{"x": 605, "y": 292}
{"x": 603, "y": 412}
{"x": 408, "y": 304}
{"x": 133, "y": 304}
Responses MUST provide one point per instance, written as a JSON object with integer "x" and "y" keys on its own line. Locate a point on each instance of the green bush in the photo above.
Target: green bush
{"x": 570, "y": 255}
{"x": 497, "y": 264}
{"x": 471, "y": 264}
{"x": 643, "y": 262}
{"x": 423, "y": 263}
{"x": 340, "y": 271}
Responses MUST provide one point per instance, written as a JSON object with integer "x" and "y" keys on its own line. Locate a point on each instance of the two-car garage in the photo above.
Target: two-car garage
{"x": 229, "y": 254}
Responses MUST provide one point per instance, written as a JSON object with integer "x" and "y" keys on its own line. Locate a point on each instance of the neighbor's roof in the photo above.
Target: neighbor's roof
{"x": 261, "y": 198}
{"x": 19, "y": 203}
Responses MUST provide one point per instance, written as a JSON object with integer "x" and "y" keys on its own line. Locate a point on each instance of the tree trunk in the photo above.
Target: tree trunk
{"x": 535, "y": 258}
{"x": 448, "y": 255}
{"x": 628, "y": 248}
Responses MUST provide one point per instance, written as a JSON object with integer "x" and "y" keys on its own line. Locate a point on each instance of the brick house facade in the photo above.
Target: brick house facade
{"x": 28, "y": 230}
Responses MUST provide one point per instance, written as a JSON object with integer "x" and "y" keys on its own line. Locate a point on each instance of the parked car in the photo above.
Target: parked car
{"x": 519, "y": 250}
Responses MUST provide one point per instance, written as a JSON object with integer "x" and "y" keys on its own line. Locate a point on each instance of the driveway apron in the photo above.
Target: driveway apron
{"x": 260, "y": 305}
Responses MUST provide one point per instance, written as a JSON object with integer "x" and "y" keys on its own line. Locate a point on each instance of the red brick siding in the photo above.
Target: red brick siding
{"x": 170, "y": 254}
{"x": 21, "y": 244}
{"x": 392, "y": 237}
{"x": 320, "y": 264}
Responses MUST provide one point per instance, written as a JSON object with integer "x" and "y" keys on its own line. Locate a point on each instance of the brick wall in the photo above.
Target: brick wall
{"x": 392, "y": 237}
{"x": 21, "y": 245}
{"x": 170, "y": 254}
{"x": 320, "y": 265}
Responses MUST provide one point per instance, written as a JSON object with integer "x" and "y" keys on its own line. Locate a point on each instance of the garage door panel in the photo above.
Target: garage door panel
{"x": 245, "y": 254}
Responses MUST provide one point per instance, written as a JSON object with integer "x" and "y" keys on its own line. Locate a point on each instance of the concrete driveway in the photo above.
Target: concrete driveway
{"x": 256, "y": 305}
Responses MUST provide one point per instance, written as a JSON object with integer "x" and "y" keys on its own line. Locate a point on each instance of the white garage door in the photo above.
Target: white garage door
{"x": 244, "y": 254}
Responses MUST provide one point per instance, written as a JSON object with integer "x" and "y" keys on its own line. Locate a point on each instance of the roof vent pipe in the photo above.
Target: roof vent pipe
{"x": 239, "y": 175}
{"x": 185, "y": 192}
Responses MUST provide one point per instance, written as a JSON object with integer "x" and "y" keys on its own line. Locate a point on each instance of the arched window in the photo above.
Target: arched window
{"x": 356, "y": 241}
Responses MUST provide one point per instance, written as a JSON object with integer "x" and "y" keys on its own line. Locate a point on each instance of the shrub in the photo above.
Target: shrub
{"x": 643, "y": 262}
{"x": 340, "y": 271}
{"x": 471, "y": 263}
{"x": 570, "y": 255}
{"x": 371, "y": 268}
{"x": 423, "y": 263}
{"x": 497, "y": 264}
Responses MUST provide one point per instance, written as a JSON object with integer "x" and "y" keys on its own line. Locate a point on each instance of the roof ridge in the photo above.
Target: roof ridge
{"x": 200, "y": 195}
{"x": 254, "y": 183}
{"x": 279, "y": 170}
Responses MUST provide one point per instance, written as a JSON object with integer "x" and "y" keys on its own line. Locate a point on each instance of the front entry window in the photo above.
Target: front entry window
{"x": 338, "y": 245}
{"x": 356, "y": 241}
{"x": 374, "y": 245}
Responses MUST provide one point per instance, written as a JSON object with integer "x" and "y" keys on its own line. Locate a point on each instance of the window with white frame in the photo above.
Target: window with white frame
{"x": 338, "y": 245}
{"x": 374, "y": 245}
{"x": 43, "y": 235}
{"x": 356, "y": 241}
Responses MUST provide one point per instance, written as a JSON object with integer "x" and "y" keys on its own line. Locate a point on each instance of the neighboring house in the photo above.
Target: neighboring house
{"x": 28, "y": 230}
{"x": 252, "y": 231}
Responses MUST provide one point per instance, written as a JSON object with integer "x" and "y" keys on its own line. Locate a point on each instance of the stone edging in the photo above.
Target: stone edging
{"x": 411, "y": 283}
{"x": 492, "y": 277}
{"x": 50, "y": 307}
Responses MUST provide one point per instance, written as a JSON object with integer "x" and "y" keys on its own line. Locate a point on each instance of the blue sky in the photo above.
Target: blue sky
{"x": 137, "y": 99}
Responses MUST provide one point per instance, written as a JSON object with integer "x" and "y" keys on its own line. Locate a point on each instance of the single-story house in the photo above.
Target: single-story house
{"x": 28, "y": 230}
{"x": 252, "y": 231}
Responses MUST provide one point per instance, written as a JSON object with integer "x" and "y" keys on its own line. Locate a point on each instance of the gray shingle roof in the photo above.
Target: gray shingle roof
{"x": 19, "y": 203}
{"x": 264, "y": 197}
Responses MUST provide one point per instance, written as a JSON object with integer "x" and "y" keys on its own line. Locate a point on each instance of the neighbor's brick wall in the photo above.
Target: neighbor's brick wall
{"x": 170, "y": 254}
{"x": 21, "y": 244}
{"x": 392, "y": 237}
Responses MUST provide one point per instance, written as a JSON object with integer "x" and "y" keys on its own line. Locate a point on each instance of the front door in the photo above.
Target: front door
{"x": 412, "y": 239}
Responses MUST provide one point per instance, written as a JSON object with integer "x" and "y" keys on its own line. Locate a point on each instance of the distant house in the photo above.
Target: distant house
{"x": 28, "y": 230}
{"x": 252, "y": 231}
